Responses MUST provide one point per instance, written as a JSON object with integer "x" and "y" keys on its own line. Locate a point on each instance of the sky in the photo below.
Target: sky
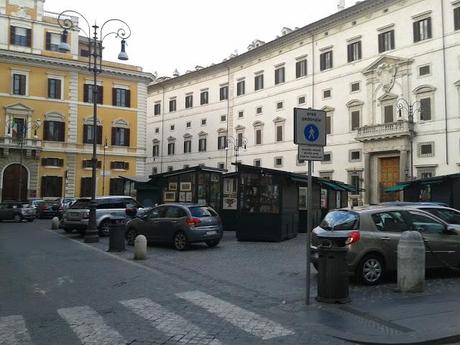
{"x": 182, "y": 34}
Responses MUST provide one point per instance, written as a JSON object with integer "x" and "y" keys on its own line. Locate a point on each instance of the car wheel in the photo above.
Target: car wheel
{"x": 371, "y": 269}
{"x": 17, "y": 218}
{"x": 180, "y": 241}
{"x": 131, "y": 236}
{"x": 104, "y": 228}
{"x": 212, "y": 243}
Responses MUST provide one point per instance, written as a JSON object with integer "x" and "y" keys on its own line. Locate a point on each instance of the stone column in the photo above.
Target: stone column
{"x": 403, "y": 165}
{"x": 367, "y": 177}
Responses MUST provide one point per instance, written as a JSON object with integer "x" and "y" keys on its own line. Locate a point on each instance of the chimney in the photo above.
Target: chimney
{"x": 176, "y": 73}
{"x": 340, "y": 5}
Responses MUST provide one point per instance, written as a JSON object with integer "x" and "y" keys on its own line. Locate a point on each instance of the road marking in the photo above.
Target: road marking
{"x": 246, "y": 320}
{"x": 172, "y": 325}
{"x": 90, "y": 327}
{"x": 13, "y": 331}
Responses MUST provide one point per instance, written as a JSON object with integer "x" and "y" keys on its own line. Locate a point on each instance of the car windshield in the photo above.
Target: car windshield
{"x": 340, "y": 220}
{"x": 81, "y": 204}
{"x": 200, "y": 211}
{"x": 449, "y": 216}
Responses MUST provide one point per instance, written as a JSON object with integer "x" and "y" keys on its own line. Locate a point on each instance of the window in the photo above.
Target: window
{"x": 223, "y": 118}
{"x": 20, "y": 36}
{"x": 390, "y": 222}
{"x": 258, "y": 136}
{"x": 425, "y": 109}
{"x": 325, "y": 61}
{"x": 424, "y": 70}
{"x": 386, "y": 41}
{"x": 426, "y": 172}
{"x": 279, "y": 105}
{"x": 170, "y": 168}
{"x": 122, "y": 98}
{"x": 257, "y": 163}
{"x": 54, "y": 88}
{"x": 388, "y": 114}
{"x": 327, "y": 93}
{"x": 119, "y": 165}
{"x": 278, "y": 162}
{"x": 327, "y": 175}
{"x": 117, "y": 186}
{"x": 188, "y": 125}
{"x": 171, "y": 149}
{"x": 53, "y": 41}
{"x": 157, "y": 109}
{"x": 19, "y": 84}
{"x": 259, "y": 82}
{"x": 457, "y": 18}
{"x": 202, "y": 145}
{"x": 203, "y": 122}
{"x": 52, "y": 162}
{"x": 240, "y": 140}
{"x": 241, "y": 114}
{"x": 221, "y": 166}
{"x": 259, "y": 110}
{"x": 279, "y": 75}
{"x": 355, "y": 180}
{"x": 51, "y": 186}
{"x": 240, "y": 88}
{"x": 355, "y": 156}
{"x": 187, "y": 146}
{"x": 355, "y": 120}
{"x": 88, "y": 164}
{"x": 279, "y": 133}
{"x": 301, "y": 100}
{"x": 54, "y": 131}
{"x": 88, "y": 134}
{"x": 172, "y": 105}
{"x": 328, "y": 125}
{"x": 301, "y": 68}
{"x": 85, "y": 186}
{"x": 425, "y": 224}
{"x": 354, "y": 51}
{"x": 186, "y": 166}
{"x": 157, "y": 130}
{"x": 204, "y": 97}
{"x": 355, "y": 87}
{"x": 154, "y": 170}
{"x": 223, "y": 93}
{"x": 327, "y": 157}
{"x": 172, "y": 127}
{"x": 156, "y": 150}
{"x": 221, "y": 142}
{"x": 88, "y": 93}
{"x": 188, "y": 101}
{"x": 426, "y": 149}
{"x": 422, "y": 29}
{"x": 120, "y": 136}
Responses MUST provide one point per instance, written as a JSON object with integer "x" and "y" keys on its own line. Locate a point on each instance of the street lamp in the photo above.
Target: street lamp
{"x": 237, "y": 144}
{"x": 68, "y": 23}
{"x": 410, "y": 108}
{"x": 20, "y": 136}
{"x": 106, "y": 146}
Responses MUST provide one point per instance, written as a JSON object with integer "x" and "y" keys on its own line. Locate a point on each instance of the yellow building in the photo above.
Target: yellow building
{"x": 46, "y": 100}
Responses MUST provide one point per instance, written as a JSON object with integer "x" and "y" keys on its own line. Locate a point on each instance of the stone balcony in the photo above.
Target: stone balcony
{"x": 31, "y": 146}
{"x": 385, "y": 131}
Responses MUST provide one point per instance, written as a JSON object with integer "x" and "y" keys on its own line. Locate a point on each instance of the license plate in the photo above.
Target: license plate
{"x": 211, "y": 233}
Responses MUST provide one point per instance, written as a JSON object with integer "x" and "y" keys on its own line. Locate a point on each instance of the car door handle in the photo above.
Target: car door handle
{"x": 385, "y": 238}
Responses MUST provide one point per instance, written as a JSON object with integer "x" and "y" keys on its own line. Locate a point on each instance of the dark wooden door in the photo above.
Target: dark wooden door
{"x": 11, "y": 188}
{"x": 389, "y": 176}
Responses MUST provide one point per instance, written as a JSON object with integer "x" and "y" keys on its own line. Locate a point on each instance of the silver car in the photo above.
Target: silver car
{"x": 372, "y": 235}
{"x": 76, "y": 217}
{"x": 450, "y": 215}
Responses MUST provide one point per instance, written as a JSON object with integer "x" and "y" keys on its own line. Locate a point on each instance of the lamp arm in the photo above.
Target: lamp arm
{"x": 67, "y": 23}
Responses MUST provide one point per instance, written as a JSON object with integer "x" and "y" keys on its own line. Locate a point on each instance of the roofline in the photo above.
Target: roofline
{"x": 187, "y": 170}
{"x": 309, "y": 29}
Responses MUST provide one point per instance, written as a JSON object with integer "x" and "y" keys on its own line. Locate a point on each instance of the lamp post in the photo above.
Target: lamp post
{"x": 106, "y": 146}
{"x": 410, "y": 108}
{"x": 21, "y": 132}
{"x": 68, "y": 23}
{"x": 237, "y": 144}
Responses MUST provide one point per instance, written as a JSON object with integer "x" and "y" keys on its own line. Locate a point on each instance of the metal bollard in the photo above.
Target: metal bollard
{"x": 117, "y": 235}
{"x": 140, "y": 248}
{"x": 411, "y": 262}
{"x": 55, "y": 223}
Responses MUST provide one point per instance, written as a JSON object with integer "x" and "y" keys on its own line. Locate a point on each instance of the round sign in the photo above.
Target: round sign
{"x": 311, "y": 133}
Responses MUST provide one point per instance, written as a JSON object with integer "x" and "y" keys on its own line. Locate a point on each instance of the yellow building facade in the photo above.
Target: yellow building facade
{"x": 46, "y": 111}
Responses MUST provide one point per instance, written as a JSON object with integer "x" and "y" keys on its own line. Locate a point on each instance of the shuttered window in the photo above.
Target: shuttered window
{"x": 54, "y": 88}
{"x": 88, "y": 134}
{"x": 54, "y": 131}
{"x": 326, "y": 61}
{"x": 241, "y": 88}
{"x": 19, "y": 84}
{"x": 202, "y": 145}
{"x": 386, "y": 41}
{"x": 120, "y": 136}
{"x": 279, "y": 75}
{"x": 117, "y": 186}
{"x": 204, "y": 97}
{"x": 354, "y": 51}
{"x": 88, "y": 164}
{"x": 388, "y": 114}
{"x": 20, "y": 36}
{"x": 121, "y": 97}
{"x": 223, "y": 93}
{"x": 422, "y": 29}
{"x": 425, "y": 109}
{"x": 53, "y": 41}
{"x": 457, "y": 18}
{"x": 119, "y": 165}
{"x": 52, "y": 162}
{"x": 301, "y": 68}
{"x": 51, "y": 186}
{"x": 355, "y": 120}
{"x": 88, "y": 94}
{"x": 85, "y": 186}
{"x": 259, "y": 82}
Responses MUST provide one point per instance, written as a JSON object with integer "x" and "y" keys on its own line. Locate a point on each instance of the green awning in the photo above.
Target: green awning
{"x": 332, "y": 185}
{"x": 300, "y": 180}
{"x": 430, "y": 182}
{"x": 396, "y": 188}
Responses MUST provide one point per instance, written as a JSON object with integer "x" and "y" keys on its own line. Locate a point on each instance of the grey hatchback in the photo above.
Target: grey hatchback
{"x": 372, "y": 235}
{"x": 179, "y": 224}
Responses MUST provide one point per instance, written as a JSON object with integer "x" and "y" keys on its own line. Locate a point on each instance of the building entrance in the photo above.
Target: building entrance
{"x": 389, "y": 176}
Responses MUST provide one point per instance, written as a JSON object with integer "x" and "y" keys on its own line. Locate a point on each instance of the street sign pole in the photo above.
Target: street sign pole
{"x": 309, "y": 225}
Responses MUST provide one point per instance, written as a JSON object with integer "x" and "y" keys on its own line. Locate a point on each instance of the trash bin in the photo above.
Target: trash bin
{"x": 333, "y": 270}
{"x": 117, "y": 235}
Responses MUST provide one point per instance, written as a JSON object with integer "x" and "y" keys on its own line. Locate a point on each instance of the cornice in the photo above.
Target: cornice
{"x": 38, "y": 60}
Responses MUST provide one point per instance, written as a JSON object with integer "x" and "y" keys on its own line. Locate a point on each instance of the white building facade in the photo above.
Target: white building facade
{"x": 387, "y": 73}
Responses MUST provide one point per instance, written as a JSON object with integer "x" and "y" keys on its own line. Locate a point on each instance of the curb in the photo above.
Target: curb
{"x": 407, "y": 339}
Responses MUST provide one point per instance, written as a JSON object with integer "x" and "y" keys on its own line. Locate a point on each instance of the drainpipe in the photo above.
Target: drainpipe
{"x": 445, "y": 82}
{"x": 162, "y": 129}
{"x": 313, "y": 71}
{"x": 228, "y": 117}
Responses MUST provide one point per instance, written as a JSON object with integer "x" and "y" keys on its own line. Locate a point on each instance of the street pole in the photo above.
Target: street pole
{"x": 309, "y": 226}
{"x": 103, "y": 169}
{"x": 21, "y": 148}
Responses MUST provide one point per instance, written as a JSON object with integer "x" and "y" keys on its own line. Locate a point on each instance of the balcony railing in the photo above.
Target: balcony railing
{"x": 385, "y": 131}
{"x": 10, "y": 142}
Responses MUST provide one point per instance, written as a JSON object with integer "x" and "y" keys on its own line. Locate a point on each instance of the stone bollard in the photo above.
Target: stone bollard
{"x": 140, "y": 248}
{"x": 55, "y": 223}
{"x": 411, "y": 262}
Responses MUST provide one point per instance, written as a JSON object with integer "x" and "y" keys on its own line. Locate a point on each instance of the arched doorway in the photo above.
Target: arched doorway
{"x": 11, "y": 188}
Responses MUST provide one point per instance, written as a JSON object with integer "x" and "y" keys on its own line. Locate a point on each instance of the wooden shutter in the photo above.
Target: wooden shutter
{"x": 99, "y": 135}
{"x": 85, "y": 134}
{"x": 58, "y": 88}
{"x": 46, "y": 130}
{"x": 416, "y": 31}
{"x": 392, "y": 36}
{"x": 350, "y": 52}
{"x": 332, "y": 61}
{"x": 61, "y": 132}
{"x": 85, "y": 92}
{"x": 114, "y": 97}
{"x": 100, "y": 94}
{"x": 29, "y": 38}
{"x": 12, "y": 35}
{"x": 359, "y": 50}
{"x": 127, "y": 131}
{"x": 322, "y": 62}
{"x": 114, "y": 136}
{"x": 22, "y": 81}
{"x": 48, "y": 41}
{"x": 381, "y": 43}
{"x": 429, "y": 27}
{"x": 49, "y": 87}
{"x": 128, "y": 98}
{"x": 457, "y": 18}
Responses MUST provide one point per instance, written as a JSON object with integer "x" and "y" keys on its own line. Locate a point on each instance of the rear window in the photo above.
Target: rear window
{"x": 81, "y": 204}
{"x": 201, "y": 211}
{"x": 340, "y": 220}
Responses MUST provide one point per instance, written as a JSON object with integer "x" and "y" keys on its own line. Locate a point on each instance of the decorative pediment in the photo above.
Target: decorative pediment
{"x": 222, "y": 130}
{"x": 424, "y": 89}
{"x": 156, "y": 141}
{"x": 187, "y": 136}
{"x": 388, "y": 97}
{"x": 279, "y": 119}
{"x": 457, "y": 83}
{"x": 240, "y": 128}
{"x": 89, "y": 121}
{"x": 328, "y": 109}
{"x": 171, "y": 139}
{"x": 258, "y": 124}
{"x": 202, "y": 134}
{"x": 53, "y": 116}
{"x": 355, "y": 103}
{"x": 18, "y": 108}
{"x": 386, "y": 60}
{"x": 120, "y": 123}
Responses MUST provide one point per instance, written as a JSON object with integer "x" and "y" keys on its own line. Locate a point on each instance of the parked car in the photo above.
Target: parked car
{"x": 49, "y": 209}
{"x": 372, "y": 234}
{"x": 17, "y": 211}
{"x": 413, "y": 203}
{"x": 450, "y": 215}
{"x": 76, "y": 217}
{"x": 34, "y": 204}
{"x": 177, "y": 224}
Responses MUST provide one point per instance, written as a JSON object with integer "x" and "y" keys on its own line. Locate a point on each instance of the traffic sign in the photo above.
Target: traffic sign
{"x": 309, "y": 127}
{"x": 310, "y": 153}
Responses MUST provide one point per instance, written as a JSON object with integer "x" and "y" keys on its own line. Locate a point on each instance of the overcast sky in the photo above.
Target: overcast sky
{"x": 169, "y": 34}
